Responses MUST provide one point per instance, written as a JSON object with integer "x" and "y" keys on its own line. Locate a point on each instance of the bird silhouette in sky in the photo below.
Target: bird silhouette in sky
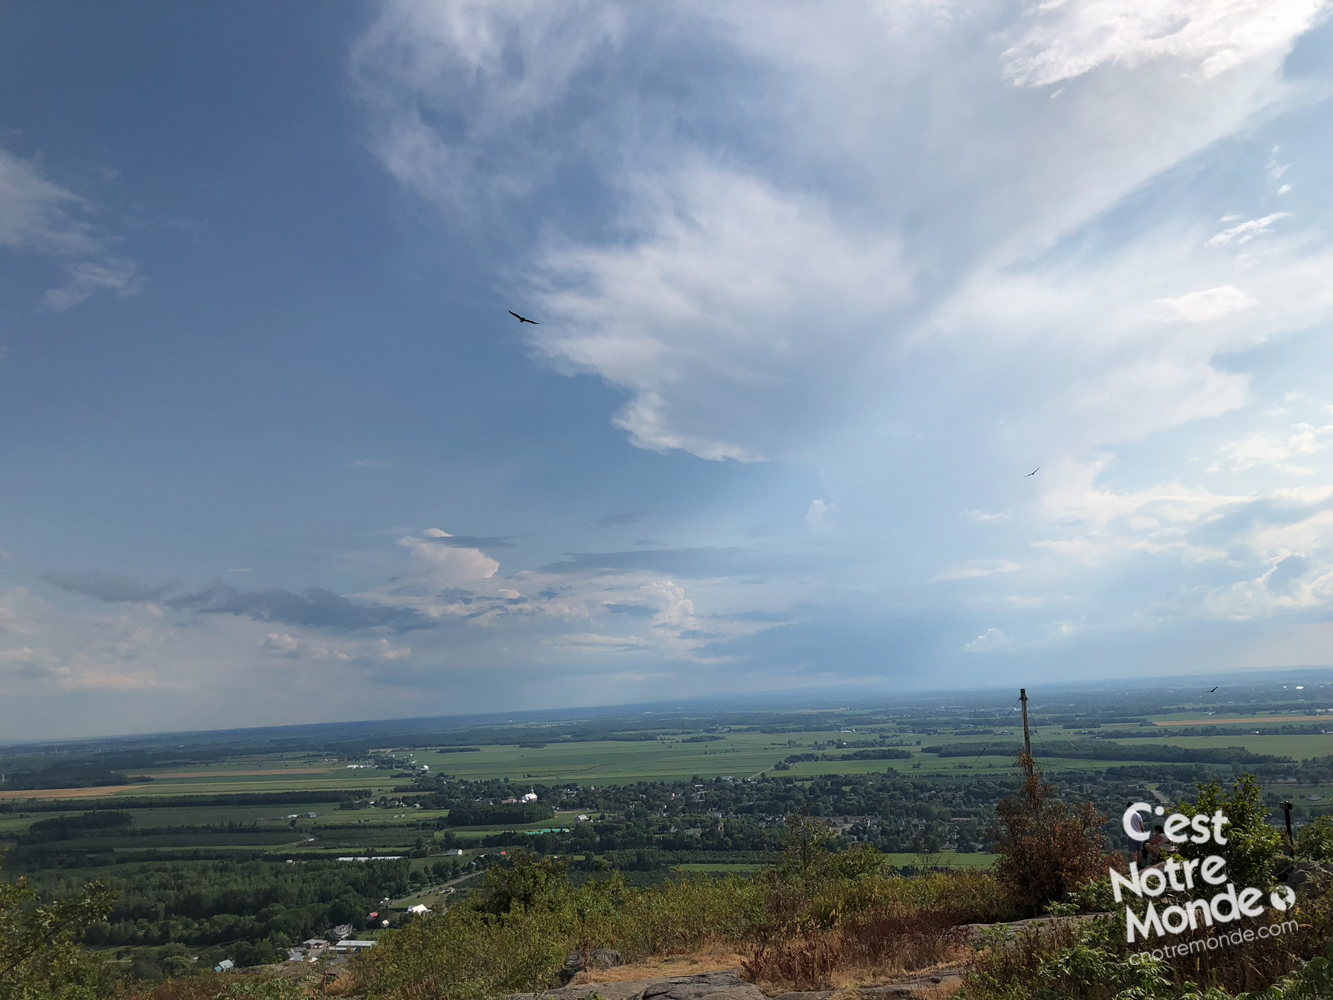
{"x": 1033, "y": 472}
{"x": 522, "y": 319}
{"x": 1214, "y": 689}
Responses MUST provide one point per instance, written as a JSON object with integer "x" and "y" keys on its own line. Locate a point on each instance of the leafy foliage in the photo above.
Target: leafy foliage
{"x": 1047, "y": 849}
{"x": 1315, "y": 840}
{"x": 839, "y": 910}
{"x": 1253, "y": 845}
{"x": 40, "y": 957}
{"x": 483, "y": 814}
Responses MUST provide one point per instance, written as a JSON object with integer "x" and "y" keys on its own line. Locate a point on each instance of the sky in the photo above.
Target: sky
{"x": 816, "y": 289}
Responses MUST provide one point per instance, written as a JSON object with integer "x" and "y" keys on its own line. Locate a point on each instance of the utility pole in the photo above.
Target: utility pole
{"x": 1027, "y": 736}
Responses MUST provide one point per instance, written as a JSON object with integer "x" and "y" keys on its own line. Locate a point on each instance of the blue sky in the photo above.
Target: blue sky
{"x": 816, "y": 289}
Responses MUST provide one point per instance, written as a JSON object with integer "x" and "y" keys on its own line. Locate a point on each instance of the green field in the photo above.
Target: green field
{"x": 655, "y": 788}
{"x": 1299, "y": 747}
{"x": 737, "y": 754}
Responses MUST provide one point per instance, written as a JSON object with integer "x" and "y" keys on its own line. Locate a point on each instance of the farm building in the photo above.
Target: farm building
{"x": 352, "y": 947}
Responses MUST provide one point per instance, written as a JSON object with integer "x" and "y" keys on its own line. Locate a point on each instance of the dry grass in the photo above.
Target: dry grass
{"x": 870, "y": 948}
{"x": 664, "y": 968}
{"x": 845, "y": 980}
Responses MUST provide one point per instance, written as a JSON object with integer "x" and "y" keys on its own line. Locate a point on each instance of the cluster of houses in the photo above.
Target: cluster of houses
{"x": 313, "y": 949}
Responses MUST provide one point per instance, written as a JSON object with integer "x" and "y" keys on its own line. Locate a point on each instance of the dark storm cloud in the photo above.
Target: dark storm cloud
{"x": 108, "y": 587}
{"x": 313, "y": 607}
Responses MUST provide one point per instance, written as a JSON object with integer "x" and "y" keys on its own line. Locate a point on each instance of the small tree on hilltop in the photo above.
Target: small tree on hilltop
{"x": 1047, "y": 848}
{"x": 1253, "y": 846}
{"x": 40, "y": 953}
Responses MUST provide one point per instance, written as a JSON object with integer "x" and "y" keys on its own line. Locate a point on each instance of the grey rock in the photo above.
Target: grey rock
{"x": 596, "y": 958}
{"x": 709, "y": 985}
{"x": 607, "y": 991}
{"x": 713, "y": 985}
{"x": 1310, "y": 878}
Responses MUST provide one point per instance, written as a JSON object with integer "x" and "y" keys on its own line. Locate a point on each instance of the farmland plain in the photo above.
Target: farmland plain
{"x": 697, "y": 792}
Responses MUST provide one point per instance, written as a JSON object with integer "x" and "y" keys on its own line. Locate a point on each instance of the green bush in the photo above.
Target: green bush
{"x": 40, "y": 954}
{"x": 1253, "y": 845}
{"x": 1315, "y": 841}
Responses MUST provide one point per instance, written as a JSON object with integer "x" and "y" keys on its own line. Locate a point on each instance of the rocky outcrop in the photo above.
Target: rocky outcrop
{"x": 1309, "y": 878}
{"x": 710, "y": 985}
{"x": 730, "y": 986}
{"x": 595, "y": 958}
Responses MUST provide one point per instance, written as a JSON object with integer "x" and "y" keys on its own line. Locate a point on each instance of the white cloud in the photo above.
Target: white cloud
{"x": 1244, "y": 232}
{"x": 991, "y": 641}
{"x": 507, "y": 65}
{"x": 38, "y": 216}
{"x": 976, "y": 568}
{"x": 388, "y": 652}
{"x": 1065, "y": 39}
{"x": 283, "y": 642}
{"x": 446, "y": 565}
{"x": 1262, "y": 448}
{"x": 739, "y": 287}
{"x": 985, "y": 517}
{"x": 1208, "y": 304}
{"x": 859, "y": 242}
{"x": 746, "y": 306}
{"x": 814, "y": 517}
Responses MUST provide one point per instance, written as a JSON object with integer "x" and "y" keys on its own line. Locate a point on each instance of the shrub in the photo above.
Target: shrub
{"x": 40, "y": 954}
{"x": 1253, "y": 845}
{"x": 465, "y": 955}
{"x": 1047, "y": 849}
{"x": 1315, "y": 841}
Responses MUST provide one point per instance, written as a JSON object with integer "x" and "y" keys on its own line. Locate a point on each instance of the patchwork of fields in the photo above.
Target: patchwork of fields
{"x": 656, "y": 797}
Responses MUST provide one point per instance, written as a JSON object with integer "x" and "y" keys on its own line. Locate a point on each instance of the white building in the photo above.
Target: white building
{"x": 352, "y": 947}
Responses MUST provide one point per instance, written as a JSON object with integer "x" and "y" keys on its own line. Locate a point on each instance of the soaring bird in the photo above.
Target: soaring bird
{"x": 1033, "y": 472}
{"x": 522, "y": 319}
{"x": 1214, "y": 689}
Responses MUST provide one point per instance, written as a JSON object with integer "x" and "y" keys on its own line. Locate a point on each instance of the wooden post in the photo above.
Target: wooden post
{"x": 1291, "y": 842}
{"x": 1027, "y": 736}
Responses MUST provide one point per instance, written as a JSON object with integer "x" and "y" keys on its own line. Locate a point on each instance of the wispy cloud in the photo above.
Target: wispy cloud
{"x": 976, "y": 568}
{"x": 1244, "y": 232}
{"x": 38, "y": 216}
